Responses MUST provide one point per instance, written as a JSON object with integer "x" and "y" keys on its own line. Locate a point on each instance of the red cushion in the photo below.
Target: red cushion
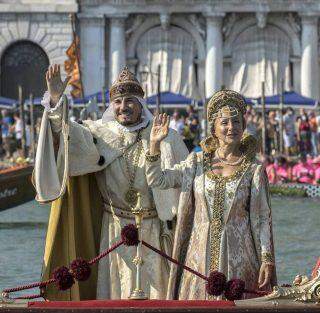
{"x": 130, "y": 303}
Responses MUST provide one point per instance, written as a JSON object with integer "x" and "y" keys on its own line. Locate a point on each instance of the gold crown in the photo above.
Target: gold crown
{"x": 223, "y": 98}
{"x": 126, "y": 85}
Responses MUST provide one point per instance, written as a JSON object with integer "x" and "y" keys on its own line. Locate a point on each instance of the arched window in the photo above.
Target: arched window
{"x": 175, "y": 51}
{"x": 260, "y": 55}
{"x": 23, "y": 63}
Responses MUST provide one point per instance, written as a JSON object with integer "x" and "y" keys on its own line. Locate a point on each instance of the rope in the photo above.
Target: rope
{"x": 106, "y": 252}
{"x": 174, "y": 261}
{"x": 35, "y": 296}
{"x": 5, "y": 292}
{"x": 256, "y": 292}
{"x": 30, "y": 286}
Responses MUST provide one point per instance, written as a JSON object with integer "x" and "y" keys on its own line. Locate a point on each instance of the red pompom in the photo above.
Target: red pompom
{"x": 63, "y": 277}
{"x": 234, "y": 289}
{"x": 80, "y": 269}
{"x": 129, "y": 234}
{"x": 216, "y": 283}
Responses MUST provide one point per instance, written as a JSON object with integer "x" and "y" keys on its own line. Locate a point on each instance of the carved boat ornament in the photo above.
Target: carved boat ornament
{"x": 303, "y": 291}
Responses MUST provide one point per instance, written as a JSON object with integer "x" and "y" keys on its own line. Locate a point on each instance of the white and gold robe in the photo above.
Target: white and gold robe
{"x": 246, "y": 232}
{"x": 97, "y": 147}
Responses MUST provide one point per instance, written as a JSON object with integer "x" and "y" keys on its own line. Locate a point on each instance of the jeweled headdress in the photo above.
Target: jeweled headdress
{"x": 225, "y": 98}
{"x": 231, "y": 102}
{"x": 126, "y": 85}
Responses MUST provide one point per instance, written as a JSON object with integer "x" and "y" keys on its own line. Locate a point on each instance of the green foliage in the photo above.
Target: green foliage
{"x": 287, "y": 191}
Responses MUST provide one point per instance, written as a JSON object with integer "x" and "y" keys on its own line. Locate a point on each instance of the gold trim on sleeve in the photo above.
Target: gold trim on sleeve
{"x": 267, "y": 257}
{"x": 152, "y": 158}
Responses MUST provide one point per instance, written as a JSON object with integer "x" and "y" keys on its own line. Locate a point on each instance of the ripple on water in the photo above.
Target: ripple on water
{"x": 296, "y": 226}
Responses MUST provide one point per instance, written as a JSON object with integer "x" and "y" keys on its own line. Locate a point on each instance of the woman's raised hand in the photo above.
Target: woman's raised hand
{"x": 55, "y": 84}
{"x": 159, "y": 131}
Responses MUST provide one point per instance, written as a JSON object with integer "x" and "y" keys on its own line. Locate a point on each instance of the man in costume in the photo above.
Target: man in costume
{"x": 93, "y": 172}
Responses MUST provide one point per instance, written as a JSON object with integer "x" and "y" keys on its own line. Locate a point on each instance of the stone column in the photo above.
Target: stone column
{"x": 92, "y": 43}
{"x": 309, "y": 57}
{"x": 117, "y": 46}
{"x": 214, "y": 58}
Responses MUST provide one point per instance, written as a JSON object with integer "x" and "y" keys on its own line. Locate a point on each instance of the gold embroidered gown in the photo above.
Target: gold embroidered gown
{"x": 229, "y": 225}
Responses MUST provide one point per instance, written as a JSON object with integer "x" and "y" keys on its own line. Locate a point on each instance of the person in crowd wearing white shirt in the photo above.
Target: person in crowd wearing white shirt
{"x": 175, "y": 122}
{"x": 18, "y": 128}
{"x": 289, "y": 131}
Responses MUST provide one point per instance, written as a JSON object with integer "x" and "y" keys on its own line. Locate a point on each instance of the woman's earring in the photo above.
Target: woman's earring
{"x": 216, "y": 140}
{"x": 214, "y": 143}
{"x": 209, "y": 144}
{"x": 248, "y": 145}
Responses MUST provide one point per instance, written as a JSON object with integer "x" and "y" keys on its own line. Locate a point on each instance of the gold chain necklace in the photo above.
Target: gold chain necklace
{"x": 131, "y": 195}
{"x": 227, "y": 162}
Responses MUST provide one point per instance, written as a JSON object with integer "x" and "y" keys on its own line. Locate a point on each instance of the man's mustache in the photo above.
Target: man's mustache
{"x": 125, "y": 111}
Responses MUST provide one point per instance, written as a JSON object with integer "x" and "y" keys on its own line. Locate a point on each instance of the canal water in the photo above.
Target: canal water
{"x": 296, "y": 225}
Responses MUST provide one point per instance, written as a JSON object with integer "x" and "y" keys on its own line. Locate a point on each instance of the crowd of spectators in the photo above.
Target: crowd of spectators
{"x": 301, "y": 132}
{"x": 299, "y": 161}
{"x": 11, "y": 133}
{"x": 304, "y": 170}
{"x": 188, "y": 126}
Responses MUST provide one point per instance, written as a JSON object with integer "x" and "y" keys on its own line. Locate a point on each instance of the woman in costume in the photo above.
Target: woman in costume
{"x": 228, "y": 228}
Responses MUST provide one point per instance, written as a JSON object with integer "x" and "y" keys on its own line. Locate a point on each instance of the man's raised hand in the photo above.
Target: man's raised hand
{"x": 55, "y": 85}
{"x": 159, "y": 131}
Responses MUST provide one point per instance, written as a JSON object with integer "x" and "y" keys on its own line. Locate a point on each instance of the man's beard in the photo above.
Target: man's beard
{"x": 130, "y": 123}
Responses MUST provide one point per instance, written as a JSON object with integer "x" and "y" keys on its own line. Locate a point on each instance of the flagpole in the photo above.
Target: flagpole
{"x": 263, "y": 107}
{"x": 281, "y": 117}
{"x": 103, "y": 98}
{"x": 22, "y": 117}
{"x": 32, "y": 129}
{"x": 158, "y": 89}
{"x": 77, "y": 52}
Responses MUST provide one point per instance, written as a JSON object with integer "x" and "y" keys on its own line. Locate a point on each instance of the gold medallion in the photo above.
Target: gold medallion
{"x": 131, "y": 196}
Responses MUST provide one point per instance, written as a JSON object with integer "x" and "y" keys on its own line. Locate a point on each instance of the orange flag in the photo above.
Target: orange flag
{"x": 72, "y": 65}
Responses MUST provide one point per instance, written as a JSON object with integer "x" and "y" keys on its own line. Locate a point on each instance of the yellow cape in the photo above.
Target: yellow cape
{"x": 74, "y": 231}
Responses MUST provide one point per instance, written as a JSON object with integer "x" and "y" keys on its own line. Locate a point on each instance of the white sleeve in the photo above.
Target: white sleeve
{"x": 54, "y": 114}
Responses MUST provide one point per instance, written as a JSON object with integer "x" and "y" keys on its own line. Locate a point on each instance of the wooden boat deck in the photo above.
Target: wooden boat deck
{"x": 161, "y": 306}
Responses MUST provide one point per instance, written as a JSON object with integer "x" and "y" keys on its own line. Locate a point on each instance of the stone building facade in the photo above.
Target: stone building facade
{"x": 33, "y": 33}
{"x": 195, "y": 46}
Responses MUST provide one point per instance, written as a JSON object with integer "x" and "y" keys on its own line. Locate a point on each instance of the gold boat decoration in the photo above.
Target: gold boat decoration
{"x": 303, "y": 291}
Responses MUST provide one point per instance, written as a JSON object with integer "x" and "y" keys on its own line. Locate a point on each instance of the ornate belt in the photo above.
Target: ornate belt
{"x": 125, "y": 213}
